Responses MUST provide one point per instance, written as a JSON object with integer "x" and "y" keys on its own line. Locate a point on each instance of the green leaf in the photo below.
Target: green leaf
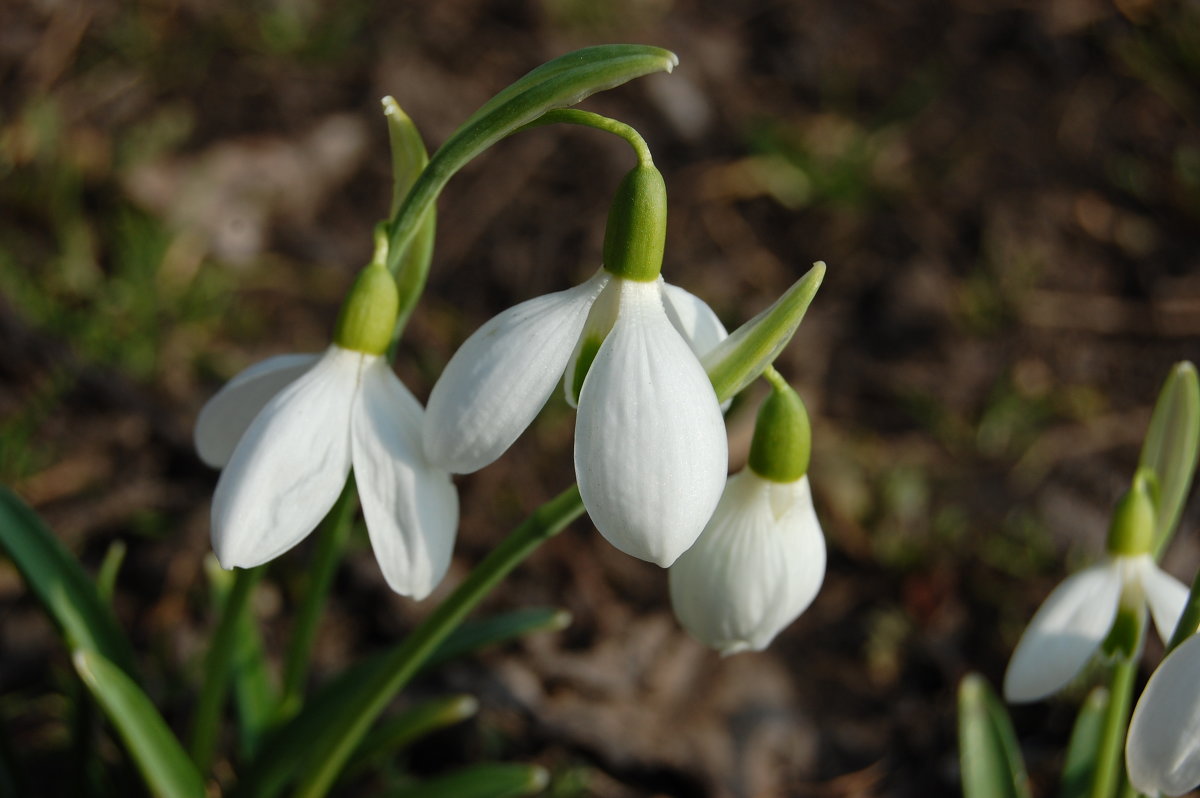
{"x": 474, "y": 635}
{"x": 110, "y": 567}
{"x": 157, "y": 751}
{"x": 1171, "y": 445}
{"x": 987, "y": 746}
{"x": 60, "y": 583}
{"x": 745, "y": 354}
{"x": 562, "y": 82}
{"x": 481, "y": 781}
{"x": 1084, "y": 745}
{"x": 254, "y": 692}
{"x": 322, "y": 737}
{"x": 406, "y": 727}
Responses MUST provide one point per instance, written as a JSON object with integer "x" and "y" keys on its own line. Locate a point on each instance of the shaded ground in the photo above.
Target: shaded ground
{"x": 1006, "y": 194}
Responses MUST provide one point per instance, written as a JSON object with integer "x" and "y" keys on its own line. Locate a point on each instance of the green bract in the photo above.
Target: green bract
{"x": 741, "y": 358}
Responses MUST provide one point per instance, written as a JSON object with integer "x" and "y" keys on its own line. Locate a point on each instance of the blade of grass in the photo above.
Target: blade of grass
{"x": 218, "y": 668}
{"x": 406, "y": 727}
{"x": 481, "y": 781}
{"x": 1085, "y": 742}
{"x": 990, "y": 758}
{"x": 60, "y": 583}
{"x": 160, "y": 758}
{"x": 322, "y": 737}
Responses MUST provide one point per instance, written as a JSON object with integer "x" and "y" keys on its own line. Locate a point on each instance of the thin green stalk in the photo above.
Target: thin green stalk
{"x": 572, "y": 116}
{"x": 1189, "y": 619}
{"x": 331, "y": 539}
{"x": 1110, "y": 759}
{"x": 217, "y": 668}
{"x": 545, "y": 522}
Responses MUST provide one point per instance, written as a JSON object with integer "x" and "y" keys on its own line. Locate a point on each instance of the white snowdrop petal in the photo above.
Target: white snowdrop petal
{"x": 227, "y": 415}
{"x": 502, "y": 376}
{"x": 1064, "y": 633}
{"x": 411, "y": 507}
{"x": 694, "y": 319}
{"x": 650, "y": 448}
{"x": 289, "y": 467}
{"x": 758, "y": 564}
{"x": 1166, "y": 596}
{"x": 1162, "y": 752}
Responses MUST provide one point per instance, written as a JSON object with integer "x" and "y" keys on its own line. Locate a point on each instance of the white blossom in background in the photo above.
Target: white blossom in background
{"x": 650, "y": 448}
{"x": 287, "y": 433}
{"x": 1069, "y": 627}
{"x": 1162, "y": 751}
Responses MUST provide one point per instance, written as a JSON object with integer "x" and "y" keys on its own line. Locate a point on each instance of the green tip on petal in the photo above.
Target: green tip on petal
{"x": 1132, "y": 530}
{"x": 782, "y": 443}
{"x": 637, "y": 226}
{"x": 368, "y": 315}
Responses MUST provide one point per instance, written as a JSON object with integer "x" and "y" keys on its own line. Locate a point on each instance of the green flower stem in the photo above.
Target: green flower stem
{"x": 217, "y": 668}
{"x": 331, "y": 539}
{"x": 1110, "y": 758}
{"x": 1189, "y": 620}
{"x": 573, "y": 116}
{"x": 545, "y": 522}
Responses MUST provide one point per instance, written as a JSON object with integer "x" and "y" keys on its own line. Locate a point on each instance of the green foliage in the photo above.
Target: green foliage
{"x": 1171, "y": 445}
{"x": 157, "y": 752}
{"x": 991, "y": 761}
{"x": 59, "y": 582}
{"x": 1084, "y": 745}
{"x": 480, "y": 781}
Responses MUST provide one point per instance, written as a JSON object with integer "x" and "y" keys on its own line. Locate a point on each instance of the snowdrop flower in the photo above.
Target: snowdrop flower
{"x": 761, "y": 560}
{"x": 650, "y": 448}
{"x": 1162, "y": 752}
{"x": 287, "y": 432}
{"x": 1075, "y": 619}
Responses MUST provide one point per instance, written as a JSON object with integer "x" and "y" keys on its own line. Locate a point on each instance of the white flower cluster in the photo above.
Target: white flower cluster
{"x": 650, "y": 452}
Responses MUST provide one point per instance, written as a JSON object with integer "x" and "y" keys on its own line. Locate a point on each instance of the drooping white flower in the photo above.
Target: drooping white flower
{"x": 650, "y": 447}
{"x": 760, "y": 560}
{"x": 758, "y": 564}
{"x": 287, "y": 433}
{"x": 1069, "y": 627}
{"x": 1162, "y": 751}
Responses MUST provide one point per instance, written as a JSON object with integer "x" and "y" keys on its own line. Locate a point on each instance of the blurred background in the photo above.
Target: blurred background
{"x": 1007, "y": 194}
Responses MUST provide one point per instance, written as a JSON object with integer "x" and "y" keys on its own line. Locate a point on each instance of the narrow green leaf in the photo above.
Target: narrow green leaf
{"x": 474, "y": 635}
{"x": 408, "y": 150}
{"x": 218, "y": 667}
{"x": 60, "y": 583}
{"x": 562, "y": 82}
{"x": 988, "y": 753}
{"x": 1172, "y": 442}
{"x": 1084, "y": 745}
{"x": 255, "y": 695}
{"x": 110, "y": 567}
{"x": 322, "y": 737}
{"x": 151, "y": 744}
{"x": 481, "y": 781}
{"x": 406, "y": 727}
{"x": 744, "y": 355}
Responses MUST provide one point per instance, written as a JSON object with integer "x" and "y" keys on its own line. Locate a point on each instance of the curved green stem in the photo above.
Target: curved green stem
{"x": 1189, "y": 620}
{"x": 573, "y": 116}
{"x": 217, "y": 668}
{"x": 331, "y": 539}
{"x": 1109, "y": 773}
{"x": 357, "y": 717}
